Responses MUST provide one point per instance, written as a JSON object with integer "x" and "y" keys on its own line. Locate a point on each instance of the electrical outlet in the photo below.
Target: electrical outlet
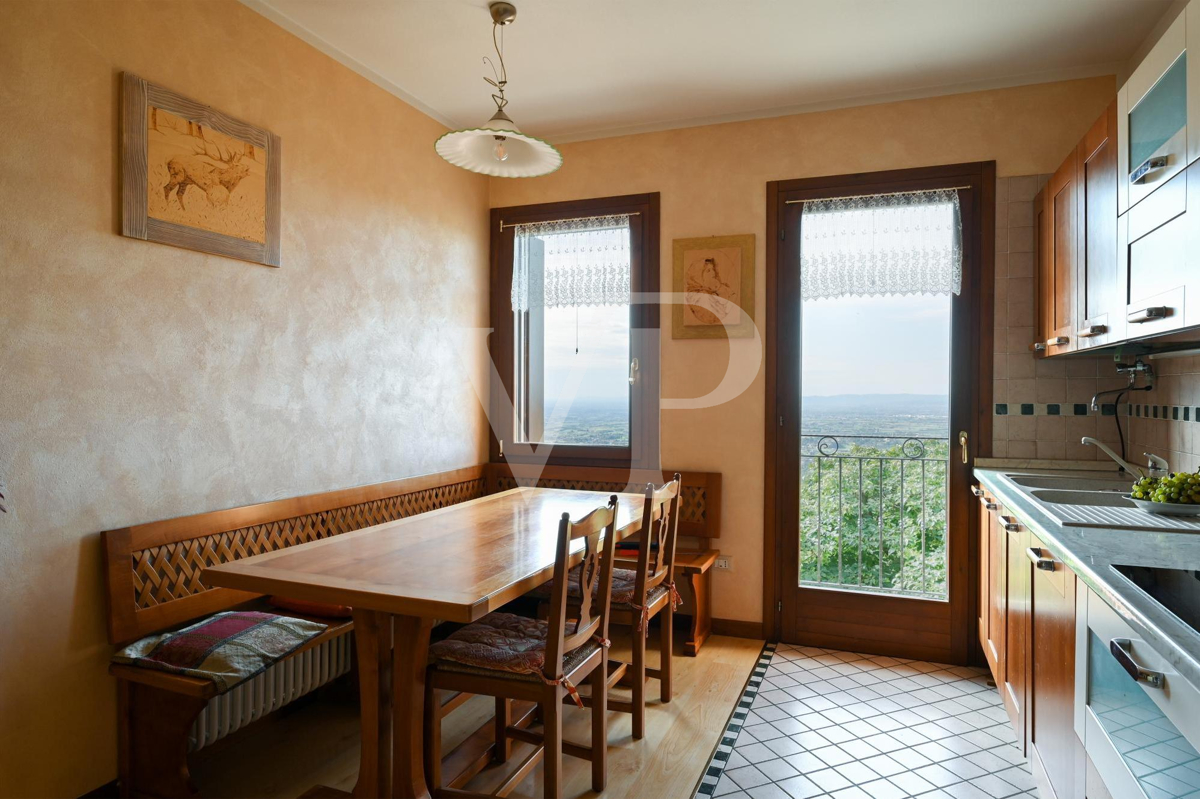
{"x": 724, "y": 563}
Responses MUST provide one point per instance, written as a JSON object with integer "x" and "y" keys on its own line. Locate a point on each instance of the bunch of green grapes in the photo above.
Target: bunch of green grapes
{"x": 1177, "y": 487}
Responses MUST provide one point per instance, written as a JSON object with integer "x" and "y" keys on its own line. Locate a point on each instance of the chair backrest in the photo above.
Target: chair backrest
{"x": 599, "y": 533}
{"x": 656, "y": 544}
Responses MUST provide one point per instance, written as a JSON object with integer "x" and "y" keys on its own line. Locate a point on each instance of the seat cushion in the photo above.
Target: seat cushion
{"x": 624, "y": 584}
{"x": 226, "y": 648}
{"x": 503, "y": 644}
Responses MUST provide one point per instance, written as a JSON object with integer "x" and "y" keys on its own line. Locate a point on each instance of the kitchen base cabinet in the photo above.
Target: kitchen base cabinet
{"x": 1053, "y": 749}
{"x": 993, "y": 591}
{"x": 1014, "y": 687}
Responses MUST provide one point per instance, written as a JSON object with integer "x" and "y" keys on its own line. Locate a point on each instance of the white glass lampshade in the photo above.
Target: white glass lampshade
{"x": 498, "y": 148}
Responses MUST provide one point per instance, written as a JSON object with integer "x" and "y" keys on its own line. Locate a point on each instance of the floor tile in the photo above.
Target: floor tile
{"x": 842, "y": 725}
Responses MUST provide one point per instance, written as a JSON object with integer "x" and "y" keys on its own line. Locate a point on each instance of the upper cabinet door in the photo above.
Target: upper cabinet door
{"x": 1058, "y": 270}
{"x": 1100, "y": 279}
{"x": 1153, "y": 117}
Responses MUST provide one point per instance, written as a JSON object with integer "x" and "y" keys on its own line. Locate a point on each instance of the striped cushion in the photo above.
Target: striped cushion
{"x": 226, "y": 648}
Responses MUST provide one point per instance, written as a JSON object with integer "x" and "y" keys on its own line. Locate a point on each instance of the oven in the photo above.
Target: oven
{"x": 1138, "y": 718}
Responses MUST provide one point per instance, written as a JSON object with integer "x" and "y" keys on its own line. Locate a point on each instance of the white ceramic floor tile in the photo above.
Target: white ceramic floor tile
{"x": 840, "y": 725}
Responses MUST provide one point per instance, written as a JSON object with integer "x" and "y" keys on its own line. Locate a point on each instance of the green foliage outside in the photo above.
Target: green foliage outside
{"x": 894, "y": 557}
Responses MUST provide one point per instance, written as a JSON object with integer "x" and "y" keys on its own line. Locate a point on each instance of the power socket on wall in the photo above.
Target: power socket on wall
{"x": 724, "y": 563}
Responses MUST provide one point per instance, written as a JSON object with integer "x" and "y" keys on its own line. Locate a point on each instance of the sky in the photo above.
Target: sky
{"x": 603, "y": 341}
{"x": 876, "y": 345}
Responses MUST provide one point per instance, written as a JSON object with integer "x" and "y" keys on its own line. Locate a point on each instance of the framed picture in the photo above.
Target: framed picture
{"x": 716, "y": 276}
{"x": 194, "y": 177}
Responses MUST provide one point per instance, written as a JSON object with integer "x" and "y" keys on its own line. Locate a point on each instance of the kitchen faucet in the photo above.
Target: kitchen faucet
{"x": 1132, "y": 371}
{"x": 1156, "y": 466}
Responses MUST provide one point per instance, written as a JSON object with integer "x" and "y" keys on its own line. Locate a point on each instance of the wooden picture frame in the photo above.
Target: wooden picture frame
{"x": 735, "y": 292}
{"x": 240, "y": 196}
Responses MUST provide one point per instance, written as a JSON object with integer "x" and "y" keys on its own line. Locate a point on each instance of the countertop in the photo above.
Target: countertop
{"x": 1091, "y": 552}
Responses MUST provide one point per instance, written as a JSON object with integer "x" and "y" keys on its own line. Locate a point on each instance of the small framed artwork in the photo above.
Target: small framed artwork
{"x": 716, "y": 277}
{"x": 194, "y": 177}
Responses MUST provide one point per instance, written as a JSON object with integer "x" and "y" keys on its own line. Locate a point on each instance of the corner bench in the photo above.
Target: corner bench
{"x": 153, "y": 585}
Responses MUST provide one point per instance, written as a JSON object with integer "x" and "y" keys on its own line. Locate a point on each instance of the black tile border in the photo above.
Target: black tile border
{"x": 1169, "y": 413}
{"x": 720, "y": 754}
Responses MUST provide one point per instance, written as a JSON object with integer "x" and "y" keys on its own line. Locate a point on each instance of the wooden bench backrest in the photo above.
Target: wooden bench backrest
{"x": 153, "y": 570}
{"x": 700, "y": 505}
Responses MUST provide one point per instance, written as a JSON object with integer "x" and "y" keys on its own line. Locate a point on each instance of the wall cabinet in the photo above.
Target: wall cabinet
{"x": 1100, "y": 285}
{"x": 1118, "y": 250}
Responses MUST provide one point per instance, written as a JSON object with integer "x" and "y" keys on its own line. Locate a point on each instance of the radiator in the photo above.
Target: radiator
{"x": 284, "y": 682}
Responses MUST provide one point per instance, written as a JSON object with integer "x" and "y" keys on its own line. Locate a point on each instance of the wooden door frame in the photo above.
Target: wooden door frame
{"x": 979, "y": 249}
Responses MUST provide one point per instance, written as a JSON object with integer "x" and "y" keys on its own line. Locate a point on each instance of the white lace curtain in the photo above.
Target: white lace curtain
{"x": 891, "y": 244}
{"x": 580, "y": 262}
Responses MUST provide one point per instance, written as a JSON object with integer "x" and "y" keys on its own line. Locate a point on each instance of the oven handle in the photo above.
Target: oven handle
{"x": 1119, "y": 647}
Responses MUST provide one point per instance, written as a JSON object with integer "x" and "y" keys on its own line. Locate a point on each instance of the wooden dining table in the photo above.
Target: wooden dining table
{"x": 453, "y": 564}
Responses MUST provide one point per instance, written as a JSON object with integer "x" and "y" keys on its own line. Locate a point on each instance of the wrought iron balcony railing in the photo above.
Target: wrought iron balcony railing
{"x": 873, "y": 514}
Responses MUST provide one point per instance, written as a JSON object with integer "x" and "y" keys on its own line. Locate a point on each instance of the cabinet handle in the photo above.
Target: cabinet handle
{"x": 977, "y": 491}
{"x": 1039, "y": 560}
{"x": 1057, "y": 341}
{"x": 1119, "y": 647}
{"x": 1148, "y": 168}
{"x": 1148, "y": 314}
{"x": 1037, "y": 346}
{"x": 987, "y": 503}
{"x": 1091, "y": 330}
{"x": 1010, "y": 524}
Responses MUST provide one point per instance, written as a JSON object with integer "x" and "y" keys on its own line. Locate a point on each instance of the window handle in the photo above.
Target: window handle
{"x": 633, "y": 368}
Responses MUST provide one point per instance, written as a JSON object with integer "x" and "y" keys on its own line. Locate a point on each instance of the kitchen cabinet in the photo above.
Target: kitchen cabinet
{"x": 1043, "y": 283}
{"x": 992, "y": 586}
{"x": 1152, "y": 117}
{"x": 1100, "y": 283}
{"x": 1028, "y": 635}
{"x": 1054, "y": 752}
{"x": 1058, "y": 266}
{"x": 1014, "y": 687}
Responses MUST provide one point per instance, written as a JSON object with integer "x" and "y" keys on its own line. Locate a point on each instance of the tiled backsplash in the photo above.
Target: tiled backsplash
{"x": 1164, "y": 421}
{"x": 1041, "y": 405}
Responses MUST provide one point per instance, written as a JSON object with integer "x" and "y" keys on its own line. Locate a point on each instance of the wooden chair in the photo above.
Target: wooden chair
{"x": 653, "y": 594}
{"x": 470, "y": 662}
{"x": 640, "y": 594}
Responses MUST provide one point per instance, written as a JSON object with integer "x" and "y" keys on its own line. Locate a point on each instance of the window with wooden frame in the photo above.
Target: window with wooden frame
{"x": 575, "y": 332}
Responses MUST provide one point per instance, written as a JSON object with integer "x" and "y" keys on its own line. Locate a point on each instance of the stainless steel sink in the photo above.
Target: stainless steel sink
{"x": 1096, "y": 499}
{"x": 1115, "y": 484}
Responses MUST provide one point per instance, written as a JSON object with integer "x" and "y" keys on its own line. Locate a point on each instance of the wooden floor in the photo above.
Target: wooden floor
{"x": 317, "y": 743}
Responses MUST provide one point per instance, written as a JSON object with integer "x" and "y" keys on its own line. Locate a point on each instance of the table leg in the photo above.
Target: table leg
{"x": 373, "y": 637}
{"x": 702, "y": 617}
{"x": 408, "y": 707}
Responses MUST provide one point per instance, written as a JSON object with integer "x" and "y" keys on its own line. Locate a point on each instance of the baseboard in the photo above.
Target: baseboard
{"x": 738, "y": 629}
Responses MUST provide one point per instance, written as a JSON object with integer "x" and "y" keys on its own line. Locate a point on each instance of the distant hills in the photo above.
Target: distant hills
{"x": 887, "y": 414}
{"x": 891, "y": 403}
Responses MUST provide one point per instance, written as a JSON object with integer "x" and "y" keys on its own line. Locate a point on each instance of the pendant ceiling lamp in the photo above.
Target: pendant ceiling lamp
{"x": 498, "y": 147}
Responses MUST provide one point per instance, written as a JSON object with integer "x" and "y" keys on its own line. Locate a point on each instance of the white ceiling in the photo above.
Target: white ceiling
{"x": 586, "y": 68}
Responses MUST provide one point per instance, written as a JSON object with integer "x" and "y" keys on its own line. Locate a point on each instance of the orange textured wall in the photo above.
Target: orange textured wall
{"x": 140, "y": 381}
{"x": 713, "y": 182}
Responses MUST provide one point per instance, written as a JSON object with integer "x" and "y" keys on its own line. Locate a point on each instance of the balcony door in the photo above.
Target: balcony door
{"x": 879, "y": 363}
